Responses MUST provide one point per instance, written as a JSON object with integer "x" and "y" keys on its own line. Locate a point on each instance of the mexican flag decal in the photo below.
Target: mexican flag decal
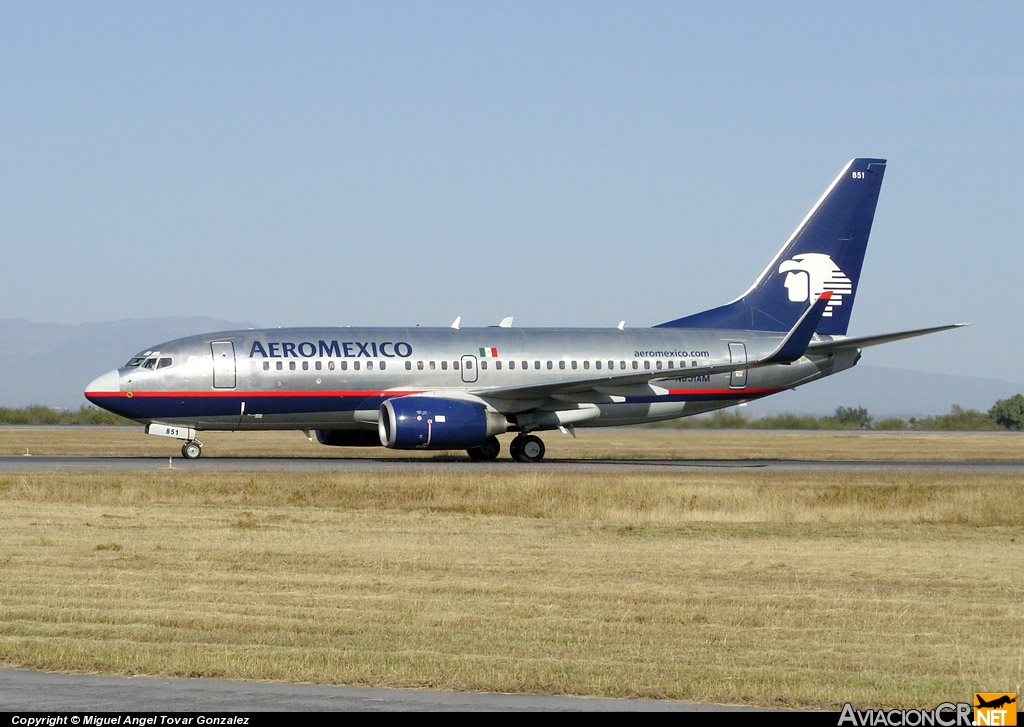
{"x": 488, "y": 353}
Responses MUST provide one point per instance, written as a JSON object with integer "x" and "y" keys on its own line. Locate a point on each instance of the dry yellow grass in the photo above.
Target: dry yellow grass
{"x": 795, "y": 590}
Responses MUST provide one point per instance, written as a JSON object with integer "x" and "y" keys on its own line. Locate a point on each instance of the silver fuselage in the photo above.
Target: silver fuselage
{"x": 337, "y": 378}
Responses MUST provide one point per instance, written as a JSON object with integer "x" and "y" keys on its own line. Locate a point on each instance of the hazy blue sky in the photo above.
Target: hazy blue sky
{"x": 569, "y": 163}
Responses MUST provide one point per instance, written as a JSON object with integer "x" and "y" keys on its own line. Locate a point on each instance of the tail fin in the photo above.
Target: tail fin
{"x": 825, "y": 253}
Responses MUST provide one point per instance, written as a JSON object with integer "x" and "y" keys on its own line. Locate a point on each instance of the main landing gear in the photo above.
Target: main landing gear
{"x": 527, "y": 448}
{"x": 192, "y": 449}
{"x": 487, "y": 452}
{"x": 524, "y": 448}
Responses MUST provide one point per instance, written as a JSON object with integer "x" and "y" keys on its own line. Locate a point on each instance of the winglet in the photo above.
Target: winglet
{"x": 794, "y": 345}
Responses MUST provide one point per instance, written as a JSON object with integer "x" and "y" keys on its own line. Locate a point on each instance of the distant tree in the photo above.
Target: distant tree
{"x": 958, "y": 420}
{"x": 1008, "y": 413}
{"x": 850, "y": 416}
{"x": 48, "y": 416}
{"x": 789, "y": 421}
{"x": 892, "y": 423}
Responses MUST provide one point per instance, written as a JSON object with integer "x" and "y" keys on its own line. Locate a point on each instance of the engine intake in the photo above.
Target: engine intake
{"x": 424, "y": 422}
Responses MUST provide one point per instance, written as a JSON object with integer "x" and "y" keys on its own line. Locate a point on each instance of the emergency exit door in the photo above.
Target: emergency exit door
{"x": 738, "y": 354}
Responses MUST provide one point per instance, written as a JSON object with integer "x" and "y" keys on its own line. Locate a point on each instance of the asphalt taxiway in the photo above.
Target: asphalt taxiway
{"x": 39, "y": 692}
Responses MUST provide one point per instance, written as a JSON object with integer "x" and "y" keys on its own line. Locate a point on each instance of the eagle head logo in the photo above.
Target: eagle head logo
{"x": 810, "y": 274}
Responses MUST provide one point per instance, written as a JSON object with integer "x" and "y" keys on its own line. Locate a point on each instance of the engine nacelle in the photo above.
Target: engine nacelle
{"x": 348, "y": 437}
{"x": 424, "y": 422}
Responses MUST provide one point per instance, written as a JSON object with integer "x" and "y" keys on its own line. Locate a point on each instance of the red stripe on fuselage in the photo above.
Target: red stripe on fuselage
{"x": 235, "y": 393}
{"x": 720, "y": 392}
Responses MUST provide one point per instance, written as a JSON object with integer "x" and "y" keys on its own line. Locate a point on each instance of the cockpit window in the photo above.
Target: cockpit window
{"x": 163, "y": 363}
{"x": 149, "y": 363}
{"x": 137, "y": 361}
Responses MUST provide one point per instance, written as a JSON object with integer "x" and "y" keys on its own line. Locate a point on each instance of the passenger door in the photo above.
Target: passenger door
{"x": 223, "y": 364}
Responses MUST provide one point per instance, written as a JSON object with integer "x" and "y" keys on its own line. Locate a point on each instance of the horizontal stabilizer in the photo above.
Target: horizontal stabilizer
{"x": 846, "y": 344}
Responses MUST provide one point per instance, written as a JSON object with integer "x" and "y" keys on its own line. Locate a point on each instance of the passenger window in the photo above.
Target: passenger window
{"x": 330, "y": 366}
{"x": 318, "y": 365}
{"x": 586, "y": 366}
{"x": 550, "y": 366}
{"x": 647, "y": 365}
{"x": 511, "y": 365}
{"x": 280, "y": 366}
{"x": 455, "y": 365}
{"x": 670, "y": 364}
{"x": 355, "y": 365}
{"x": 657, "y": 365}
{"x": 419, "y": 365}
{"x": 483, "y": 365}
{"x": 291, "y": 365}
{"x": 305, "y": 365}
{"x": 343, "y": 365}
{"x": 622, "y": 365}
{"x": 266, "y": 366}
{"x": 444, "y": 365}
{"x": 383, "y": 365}
{"x": 433, "y": 366}
{"x": 408, "y": 366}
{"x": 573, "y": 365}
{"x": 636, "y": 365}
{"x": 561, "y": 365}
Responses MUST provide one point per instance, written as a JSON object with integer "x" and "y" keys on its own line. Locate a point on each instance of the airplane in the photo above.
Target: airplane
{"x": 1000, "y": 701}
{"x": 459, "y": 388}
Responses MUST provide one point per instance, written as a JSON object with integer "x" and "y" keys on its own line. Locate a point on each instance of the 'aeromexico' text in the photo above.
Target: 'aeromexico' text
{"x": 331, "y": 349}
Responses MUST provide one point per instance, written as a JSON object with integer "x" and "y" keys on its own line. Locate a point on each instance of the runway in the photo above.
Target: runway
{"x": 317, "y": 464}
{"x": 40, "y": 692}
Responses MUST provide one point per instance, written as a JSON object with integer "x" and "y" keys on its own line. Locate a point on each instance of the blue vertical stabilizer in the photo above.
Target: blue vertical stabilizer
{"x": 825, "y": 253}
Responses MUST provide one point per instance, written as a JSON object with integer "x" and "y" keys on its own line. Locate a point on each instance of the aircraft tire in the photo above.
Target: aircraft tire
{"x": 527, "y": 448}
{"x": 191, "y": 450}
{"x": 486, "y": 452}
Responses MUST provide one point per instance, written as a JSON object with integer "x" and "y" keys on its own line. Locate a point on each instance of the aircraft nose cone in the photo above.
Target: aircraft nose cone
{"x": 109, "y": 382}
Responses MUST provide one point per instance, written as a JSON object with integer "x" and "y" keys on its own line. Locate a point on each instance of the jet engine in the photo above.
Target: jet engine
{"x": 424, "y": 422}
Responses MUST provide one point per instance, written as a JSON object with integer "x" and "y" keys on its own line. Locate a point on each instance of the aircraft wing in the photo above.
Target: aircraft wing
{"x": 594, "y": 383}
{"x": 790, "y": 349}
{"x": 845, "y": 344}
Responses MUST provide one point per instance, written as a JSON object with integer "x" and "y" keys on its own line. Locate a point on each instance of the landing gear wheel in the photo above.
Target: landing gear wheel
{"x": 486, "y": 452}
{"x": 191, "y": 450}
{"x": 527, "y": 448}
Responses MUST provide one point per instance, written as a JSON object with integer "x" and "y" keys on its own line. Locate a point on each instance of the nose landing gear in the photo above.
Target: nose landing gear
{"x": 192, "y": 449}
